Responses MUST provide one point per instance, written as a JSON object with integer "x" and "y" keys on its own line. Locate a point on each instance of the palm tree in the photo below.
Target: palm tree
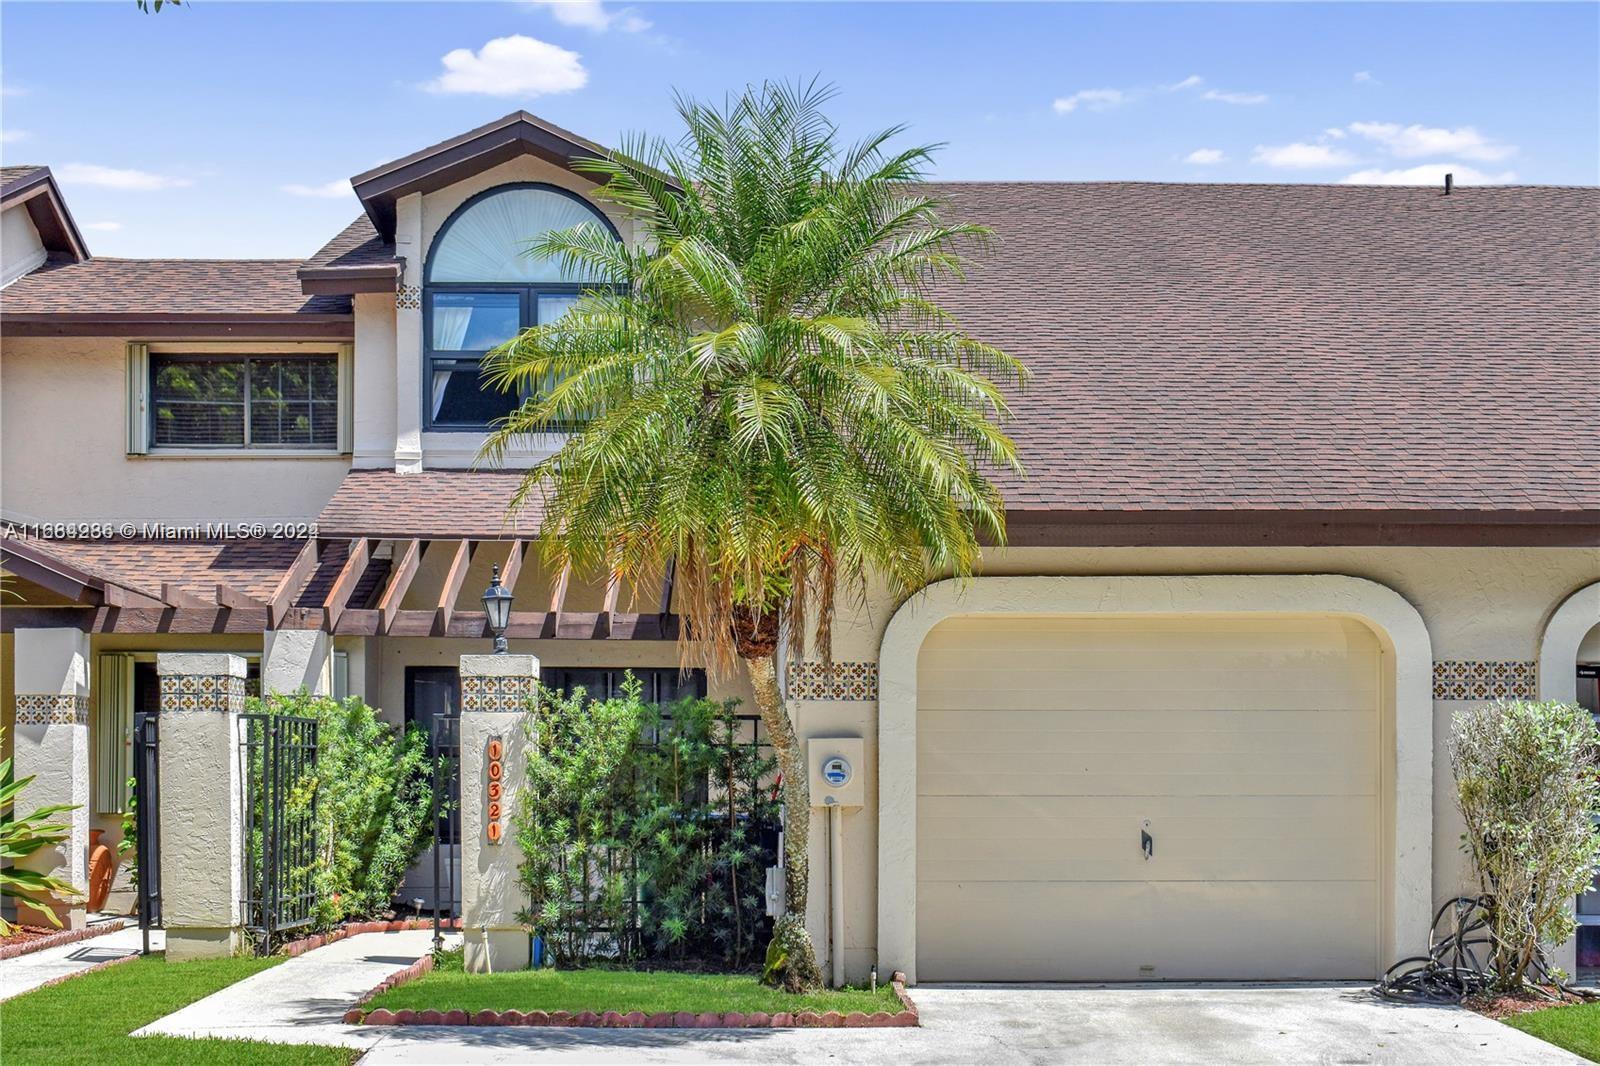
{"x": 765, "y": 394}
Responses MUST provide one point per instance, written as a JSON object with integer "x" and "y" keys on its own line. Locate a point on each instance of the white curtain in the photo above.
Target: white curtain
{"x": 450, "y": 326}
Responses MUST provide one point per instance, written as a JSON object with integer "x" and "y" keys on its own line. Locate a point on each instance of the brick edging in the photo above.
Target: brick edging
{"x": 55, "y": 940}
{"x": 318, "y": 940}
{"x": 906, "y": 1017}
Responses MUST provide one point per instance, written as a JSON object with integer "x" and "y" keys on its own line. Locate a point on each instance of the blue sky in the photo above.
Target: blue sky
{"x": 226, "y": 130}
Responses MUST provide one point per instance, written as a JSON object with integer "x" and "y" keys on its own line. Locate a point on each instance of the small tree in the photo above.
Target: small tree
{"x": 1528, "y": 787}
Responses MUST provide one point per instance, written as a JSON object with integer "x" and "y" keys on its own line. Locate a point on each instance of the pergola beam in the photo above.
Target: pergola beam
{"x": 293, "y": 581}
{"x": 399, "y": 581}
{"x": 451, "y": 588}
{"x": 355, "y": 565}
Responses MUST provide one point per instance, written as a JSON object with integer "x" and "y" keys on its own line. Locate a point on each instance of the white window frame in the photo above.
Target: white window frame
{"x": 138, "y": 392}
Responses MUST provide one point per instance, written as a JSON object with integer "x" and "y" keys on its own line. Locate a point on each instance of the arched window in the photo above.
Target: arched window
{"x": 481, "y": 288}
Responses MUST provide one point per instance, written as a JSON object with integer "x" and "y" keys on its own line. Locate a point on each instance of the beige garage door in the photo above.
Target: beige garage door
{"x": 1247, "y": 750}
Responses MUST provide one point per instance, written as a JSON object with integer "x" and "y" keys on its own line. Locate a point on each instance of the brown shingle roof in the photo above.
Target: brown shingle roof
{"x": 1227, "y": 347}
{"x": 357, "y": 245}
{"x": 434, "y": 503}
{"x": 167, "y": 287}
{"x": 16, "y": 175}
{"x": 253, "y": 567}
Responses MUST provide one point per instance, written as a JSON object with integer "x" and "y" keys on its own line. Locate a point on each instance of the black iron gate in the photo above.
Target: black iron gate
{"x": 444, "y": 756}
{"x": 147, "y": 821}
{"x": 280, "y": 825}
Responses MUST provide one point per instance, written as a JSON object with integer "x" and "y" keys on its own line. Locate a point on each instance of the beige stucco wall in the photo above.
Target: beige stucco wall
{"x": 1480, "y": 604}
{"x": 63, "y": 406}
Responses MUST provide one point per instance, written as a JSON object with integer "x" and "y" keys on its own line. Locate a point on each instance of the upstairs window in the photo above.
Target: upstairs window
{"x": 482, "y": 289}
{"x": 220, "y": 401}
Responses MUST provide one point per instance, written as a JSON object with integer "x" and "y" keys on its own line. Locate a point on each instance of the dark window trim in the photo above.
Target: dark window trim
{"x": 530, "y": 293}
{"x": 243, "y": 357}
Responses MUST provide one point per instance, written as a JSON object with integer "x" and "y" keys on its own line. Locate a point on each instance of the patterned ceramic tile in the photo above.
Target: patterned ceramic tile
{"x": 202, "y": 692}
{"x": 408, "y": 298}
{"x": 849, "y": 681}
{"x": 505, "y": 695}
{"x": 1467, "y": 679}
{"x": 46, "y": 708}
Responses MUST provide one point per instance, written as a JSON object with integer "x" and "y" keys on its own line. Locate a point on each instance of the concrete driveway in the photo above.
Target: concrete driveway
{"x": 1006, "y": 1024}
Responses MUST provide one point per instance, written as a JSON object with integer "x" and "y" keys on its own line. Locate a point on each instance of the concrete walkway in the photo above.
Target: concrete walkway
{"x": 27, "y": 972}
{"x": 303, "y": 1000}
{"x": 1002, "y": 1026}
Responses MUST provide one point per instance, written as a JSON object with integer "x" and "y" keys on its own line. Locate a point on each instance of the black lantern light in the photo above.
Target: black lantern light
{"x": 497, "y": 605}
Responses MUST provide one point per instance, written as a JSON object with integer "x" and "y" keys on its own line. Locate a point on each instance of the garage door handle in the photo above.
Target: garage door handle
{"x": 1148, "y": 843}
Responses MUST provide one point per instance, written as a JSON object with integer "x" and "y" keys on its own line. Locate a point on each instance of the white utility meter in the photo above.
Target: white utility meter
{"x": 836, "y": 771}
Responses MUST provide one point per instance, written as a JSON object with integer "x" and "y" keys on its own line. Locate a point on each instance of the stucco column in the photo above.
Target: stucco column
{"x": 202, "y": 840}
{"x": 295, "y": 659}
{"x": 52, "y": 746}
{"x": 496, "y": 695}
{"x": 408, "y": 336}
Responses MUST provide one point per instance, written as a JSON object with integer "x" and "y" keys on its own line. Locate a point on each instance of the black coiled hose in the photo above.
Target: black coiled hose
{"x": 1460, "y": 945}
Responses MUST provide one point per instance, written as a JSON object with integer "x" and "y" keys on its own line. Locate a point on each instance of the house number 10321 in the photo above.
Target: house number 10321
{"x": 495, "y": 791}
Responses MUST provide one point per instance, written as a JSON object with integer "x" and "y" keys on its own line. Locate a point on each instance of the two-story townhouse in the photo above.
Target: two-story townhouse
{"x": 1309, "y": 469}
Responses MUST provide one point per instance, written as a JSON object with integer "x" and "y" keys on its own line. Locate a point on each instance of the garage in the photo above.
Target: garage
{"x": 1148, "y": 798}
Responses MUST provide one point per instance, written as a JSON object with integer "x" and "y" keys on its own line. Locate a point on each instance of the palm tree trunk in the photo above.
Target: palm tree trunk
{"x": 791, "y": 943}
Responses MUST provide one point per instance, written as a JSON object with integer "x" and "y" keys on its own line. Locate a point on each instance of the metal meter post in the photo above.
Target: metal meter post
{"x": 836, "y": 783}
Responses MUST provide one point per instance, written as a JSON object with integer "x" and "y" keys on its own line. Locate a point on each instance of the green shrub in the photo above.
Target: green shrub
{"x": 374, "y": 794}
{"x": 1528, "y": 787}
{"x": 638, "y": 831}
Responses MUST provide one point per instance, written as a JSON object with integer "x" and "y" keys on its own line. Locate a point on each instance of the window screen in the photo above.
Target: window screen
{"x": 244, "y": 401}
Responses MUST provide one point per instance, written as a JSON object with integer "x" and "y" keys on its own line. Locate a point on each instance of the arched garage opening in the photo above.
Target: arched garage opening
{"x": 1146, "y": 778}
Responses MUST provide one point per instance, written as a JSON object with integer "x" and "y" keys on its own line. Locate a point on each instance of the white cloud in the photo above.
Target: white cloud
{"x": 1333, "y": 133}
{"x": 1233, "y": 98}
{"x": 1204, "y": 157}
{"x": 1090, "y": 100}
{"x": 1428, "y": 174}
{"x": 511, "y": 66}
{"x": 1364, "y": 77}
{"x": 1301, "y": 156}
{"x": 103, "y": 227}
{"x": 593, "y": 15}
{"x": 1409, "y": 142}
{"x": 1191, "y": 82}
{"x": 333, "y": 190}
{"x": 13, "y": 136}
{"x": 117, "y": 178}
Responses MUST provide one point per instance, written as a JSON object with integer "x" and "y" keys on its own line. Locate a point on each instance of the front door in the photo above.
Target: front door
{"x": 433, "y": 704}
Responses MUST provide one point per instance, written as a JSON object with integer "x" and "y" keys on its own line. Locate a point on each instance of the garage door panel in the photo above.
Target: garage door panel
{"x": 1250, "y": 747}
{"x": 1183, "y": 738}
{"x": 1344, "y": 758}
{"x": 1057, "y": 931}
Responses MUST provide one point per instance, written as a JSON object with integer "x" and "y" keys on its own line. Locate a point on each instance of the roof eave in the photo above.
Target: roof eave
{"x": 286, "y": 326}
{"x": 348, "y": 281}
{"x": 39, "y": 194}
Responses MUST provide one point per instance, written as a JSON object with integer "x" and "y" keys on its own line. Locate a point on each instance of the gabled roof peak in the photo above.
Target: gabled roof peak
{"x": 442, "y": 164}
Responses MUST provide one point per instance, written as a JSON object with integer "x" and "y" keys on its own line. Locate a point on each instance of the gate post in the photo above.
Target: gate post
{"x": 496, "y": 695}
{"x": 202, "y": 842}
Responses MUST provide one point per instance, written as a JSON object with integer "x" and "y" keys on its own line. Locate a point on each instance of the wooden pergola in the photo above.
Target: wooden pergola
{"x": 339, "y": 587}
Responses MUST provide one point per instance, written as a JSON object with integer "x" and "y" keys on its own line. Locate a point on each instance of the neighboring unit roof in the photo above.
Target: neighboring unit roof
{"x": 1293, "y": 347}
{"x": 34, "y": 187}
{"x": 227, "y": 296}
{"x": 447, "y": 162}
{"x": 434, "y": 503}
{"x": 357, "y": 260}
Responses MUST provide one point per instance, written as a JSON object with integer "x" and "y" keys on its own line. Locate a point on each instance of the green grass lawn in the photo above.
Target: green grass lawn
{"x": 1576, "y": 1028}
{"x": 449, "y": 988}
{"x": 87, "y": 1019}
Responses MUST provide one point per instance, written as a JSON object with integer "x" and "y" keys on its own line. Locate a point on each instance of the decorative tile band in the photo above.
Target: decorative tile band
{"x": 849, "y": 681}
{"x": 202, "y": 692}
{"x": 408, "y": 298}
{"x": 504, "y": 695}
{"x": 1465, "y": 679}
{"x": 49, "y": 708}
